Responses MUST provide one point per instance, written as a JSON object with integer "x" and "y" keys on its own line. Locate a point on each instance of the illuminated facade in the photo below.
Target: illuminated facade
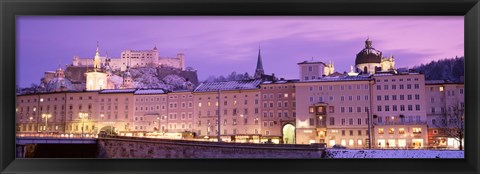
{"x": 378, "y": 107}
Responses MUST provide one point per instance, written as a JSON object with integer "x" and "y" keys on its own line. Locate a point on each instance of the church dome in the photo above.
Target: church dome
{"x": 368, "y": 54}
{"x": 59, "y": 84}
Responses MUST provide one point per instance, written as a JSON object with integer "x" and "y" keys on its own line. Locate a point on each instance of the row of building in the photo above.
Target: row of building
{"x": 373, "y": 105}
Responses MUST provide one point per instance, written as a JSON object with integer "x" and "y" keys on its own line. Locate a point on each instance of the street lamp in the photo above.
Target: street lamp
{"x": 46, "y": 116}
{"x": 30, "y": 122}
{"x": 166, "y": 124}
{"x": 82, "y": 116}
{"x": 158, "y": 123}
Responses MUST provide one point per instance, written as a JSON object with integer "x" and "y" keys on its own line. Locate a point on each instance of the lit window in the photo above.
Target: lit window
{"x": 380, "y": 130}
{"x": 441, "y": 88}
{"x": 401, "y": 130}
{"x": 199, "y": 104}
{"x": 417, "y": 130}
{"x": 311, "y": 109}
{"x": 391, "y": 131}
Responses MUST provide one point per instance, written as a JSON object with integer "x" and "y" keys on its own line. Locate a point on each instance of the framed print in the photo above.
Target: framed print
{"x": 251, "y": 86}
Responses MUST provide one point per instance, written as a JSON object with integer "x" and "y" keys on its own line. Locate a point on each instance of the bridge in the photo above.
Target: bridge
{"x": 22, "y": 141}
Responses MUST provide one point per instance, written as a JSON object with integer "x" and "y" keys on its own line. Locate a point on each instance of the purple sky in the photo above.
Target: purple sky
{"x": 220, "y": 45}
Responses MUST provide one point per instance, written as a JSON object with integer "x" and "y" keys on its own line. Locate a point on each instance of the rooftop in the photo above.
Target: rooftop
{"x": 149, "y": 91}
{"x": 106, "y": 91}
{"x": 310, "y": 62}
{"x": 341, "y": 78}
{"x": 230, "y": 85}
{"x": 438, "y": 82}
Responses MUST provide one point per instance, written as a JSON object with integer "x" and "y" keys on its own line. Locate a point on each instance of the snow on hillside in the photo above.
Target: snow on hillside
{"x": 343, "y": 153}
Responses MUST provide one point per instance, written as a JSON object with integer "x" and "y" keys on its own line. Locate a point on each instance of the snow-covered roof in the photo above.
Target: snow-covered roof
{"x": 390, "y": 74}
{"x": 340, "y": 78}
{"x": 117, "y": 91}
{"x": 59, "y": 83}
{"x": 150, "y": 91}
{"x": 280, "y": 81}
{"x": 439, "y": 82}
{"x": 311, "y": 62}
{"x": 230, "y": 85}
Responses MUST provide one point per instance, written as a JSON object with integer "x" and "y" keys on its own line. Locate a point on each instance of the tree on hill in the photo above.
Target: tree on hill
{"x": 446, "y": 69}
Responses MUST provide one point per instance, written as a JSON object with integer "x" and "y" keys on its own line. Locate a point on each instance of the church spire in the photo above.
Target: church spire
{"x": 259, "y": 70}
{"x": 96, "y": 59}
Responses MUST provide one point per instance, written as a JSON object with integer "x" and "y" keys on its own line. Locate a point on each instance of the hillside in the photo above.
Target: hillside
{"x": 452, "y": 69}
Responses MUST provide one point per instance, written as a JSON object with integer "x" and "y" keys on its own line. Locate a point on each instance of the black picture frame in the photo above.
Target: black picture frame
{"x": 9, "y": 9}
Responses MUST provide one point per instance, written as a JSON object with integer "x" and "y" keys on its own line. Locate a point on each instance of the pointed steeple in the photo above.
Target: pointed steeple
{"x": 97, "y": 53}
{"x": 96, "y": 60}
{"x": 259, "y": 70}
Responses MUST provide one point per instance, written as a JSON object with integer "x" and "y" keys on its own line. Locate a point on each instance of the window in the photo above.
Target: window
{"x": 394, "y": 86}
{"x": 394, "y": 107}
{"x": 379, "y": 87}
{"x": 359, "y": 122}
{"x": 401, "y": 86}
{"x": 402, "y": 97}
{"x": 391, "y": 130}
{"x": 386, "y": 97}
{"x": 410, "y": 107}
{"x": 350, "y": 109}
{"x": 417, "y": 86}
{"x": 417, "y": 130}
{"x": 332, "y": 121}
{"x": 387, "y": 108}
{"x": 379, "y": 98}
{"x": 379, "y": 108}
{"x": 409, "y": 86}
{"x": 380, "y": 130}
{"x": 350, "y": 121}
{"x": 401, "y": 131}
{"x": 343, "y": 121}
{"x": 385, "y": 87}
{"x": 417, "y": 107}
{"x": 409, "y": 97}
{"x": 441, "y": 88}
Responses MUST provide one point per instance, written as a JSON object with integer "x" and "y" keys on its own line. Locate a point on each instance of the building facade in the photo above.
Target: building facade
{"x": 333, "y": 111}
{"x": 278, "y": 103}
{"x": 399, "y": 111}
{"x": 445, "y": 104}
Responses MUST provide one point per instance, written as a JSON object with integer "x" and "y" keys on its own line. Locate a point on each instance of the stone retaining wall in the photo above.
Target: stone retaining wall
{"x": 129, "y": 147}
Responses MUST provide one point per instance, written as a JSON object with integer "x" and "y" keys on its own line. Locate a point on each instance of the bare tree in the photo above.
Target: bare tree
{"x": 452, "y": 124}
